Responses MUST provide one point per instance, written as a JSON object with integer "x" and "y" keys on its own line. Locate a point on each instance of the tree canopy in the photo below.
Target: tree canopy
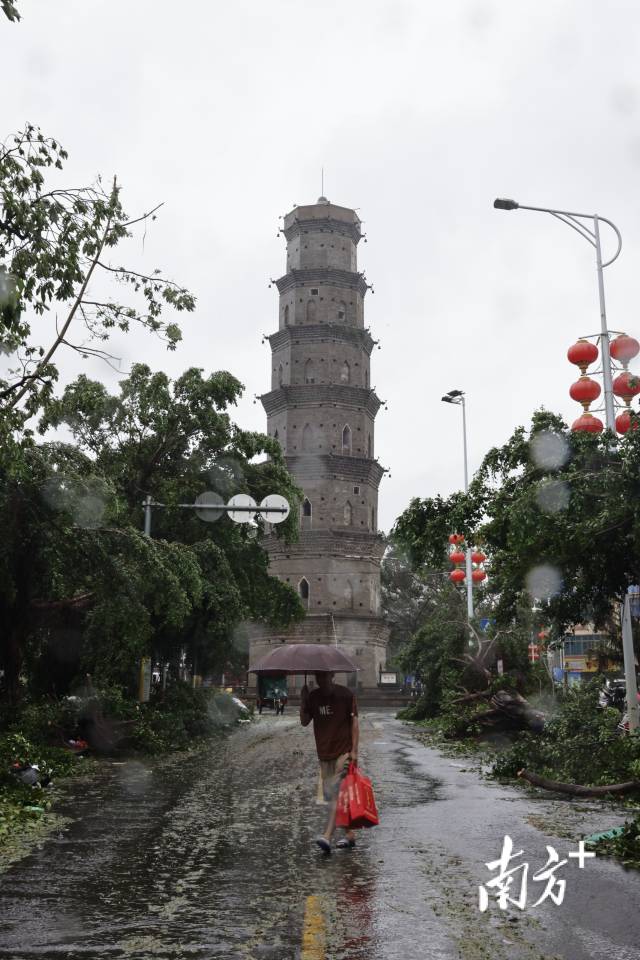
{"x": 74, "y": 554}
{"x": 558, "y": 514}
{"x": 10, "y": 10}
{"x": 59, "y": 288}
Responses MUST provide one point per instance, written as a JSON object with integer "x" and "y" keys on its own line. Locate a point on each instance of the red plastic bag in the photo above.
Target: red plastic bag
{"x": 356, "y": 802}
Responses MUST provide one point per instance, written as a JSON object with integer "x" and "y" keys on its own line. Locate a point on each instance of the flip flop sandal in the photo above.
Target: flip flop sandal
{"x": 345, "y": 844}
{"x": 324, "y": 844}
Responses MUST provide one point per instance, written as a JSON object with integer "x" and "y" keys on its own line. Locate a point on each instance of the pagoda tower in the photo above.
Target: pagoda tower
{"x": 322, "y": 410}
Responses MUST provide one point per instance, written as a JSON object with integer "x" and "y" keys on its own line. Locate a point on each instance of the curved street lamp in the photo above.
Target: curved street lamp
{"x": 592, "y": 236}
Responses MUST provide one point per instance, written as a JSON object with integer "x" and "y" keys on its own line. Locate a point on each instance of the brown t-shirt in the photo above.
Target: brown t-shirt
{"x": 331, "y": 714}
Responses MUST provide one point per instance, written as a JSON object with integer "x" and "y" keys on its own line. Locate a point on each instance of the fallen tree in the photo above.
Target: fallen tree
{"x": 578, "y": 789}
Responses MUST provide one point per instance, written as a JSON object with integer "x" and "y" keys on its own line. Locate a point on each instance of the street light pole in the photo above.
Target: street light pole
{"x": 592, "y": 236}
{"x": 457, "y": 397}
{"x": 609, "y": 408}
{"x": 629, "y": 666}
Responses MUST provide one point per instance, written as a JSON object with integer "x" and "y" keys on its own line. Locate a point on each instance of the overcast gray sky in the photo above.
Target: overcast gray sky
{"x": 421, "y": 114}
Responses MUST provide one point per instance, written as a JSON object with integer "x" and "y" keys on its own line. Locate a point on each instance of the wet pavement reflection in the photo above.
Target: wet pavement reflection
{"x": 212, "y": 856}
{"x": 204, "y": 856}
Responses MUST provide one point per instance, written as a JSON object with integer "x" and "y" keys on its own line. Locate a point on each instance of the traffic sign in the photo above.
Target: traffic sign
{"x": 274, "y": 508}
{"x": 248, "y": 505}
{"x": 207, "y": 504}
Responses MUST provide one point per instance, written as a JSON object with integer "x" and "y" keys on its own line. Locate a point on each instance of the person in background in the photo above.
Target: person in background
{"x": 334, "y": 711}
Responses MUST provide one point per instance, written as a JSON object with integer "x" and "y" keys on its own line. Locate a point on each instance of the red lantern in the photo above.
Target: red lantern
{"x": 624, "y": 348}
{"x": 456, "y": 576}
{"x": 478, "y": 576}
{"x": 627, "y": 420}
{"x": 456, "y": 538}
{"x": 478, "y": 557}
{"x": 585, "y": 391}
{"x": 582, "y": 354}
{"x": 457, "y": 556}
{"x": 587, "y": 423}
{"x": 626, "y": 385}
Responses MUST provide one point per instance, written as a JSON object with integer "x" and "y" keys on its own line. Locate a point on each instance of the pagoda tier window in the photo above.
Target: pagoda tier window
{"x": 348, "y": 595}
{"x": 345, "y": 373}
{"x": 309, "y": 372}
{"x": 303, "y": 590}
{"x": 307, "y": 438}
{"x": 346, "y": 441}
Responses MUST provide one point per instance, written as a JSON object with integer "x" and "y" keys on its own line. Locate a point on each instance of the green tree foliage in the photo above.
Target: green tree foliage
{"x": 579, "y": 744}
{"x": 55, "y": 268}
{"x": 547, "y": 498}
{"x": 76, "y": 586}
{"x": 10, "y": 10}
{"x": 173, "y": 440}
{"x": 81, "y": 587}
{"x": 405, "y": 599}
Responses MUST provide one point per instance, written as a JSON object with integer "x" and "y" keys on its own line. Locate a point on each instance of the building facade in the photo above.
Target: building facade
{"x": 322, "y": 409}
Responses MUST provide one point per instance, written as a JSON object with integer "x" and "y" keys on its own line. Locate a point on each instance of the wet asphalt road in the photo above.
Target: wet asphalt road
{"x": 212, "y": 857}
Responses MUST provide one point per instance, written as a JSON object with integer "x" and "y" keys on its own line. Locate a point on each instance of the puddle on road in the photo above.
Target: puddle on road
{"x": 414, "y": 787}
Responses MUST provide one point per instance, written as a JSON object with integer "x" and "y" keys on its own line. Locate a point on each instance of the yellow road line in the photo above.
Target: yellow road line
{"x": 313, "y": 931}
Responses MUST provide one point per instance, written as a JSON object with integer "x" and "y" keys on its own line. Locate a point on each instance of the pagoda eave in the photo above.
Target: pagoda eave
{"x": 322, "y": 333}
{"x": 331, "y": 276}
{"x": 336, "y": 467}
{"x": 321, "y": 395}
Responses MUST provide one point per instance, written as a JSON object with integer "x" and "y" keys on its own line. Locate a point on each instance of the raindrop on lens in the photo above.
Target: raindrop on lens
{"x": 240, "y": 637}
{"x": 88, "y": 511}
{"x": 226, "y": 476}
{"x": 7, "y": 287}
{"x": 549, "y": 450}
{"x": 544, "y": 582}
{"x": 552, "y": 496}
{"x": 57, "y": 493}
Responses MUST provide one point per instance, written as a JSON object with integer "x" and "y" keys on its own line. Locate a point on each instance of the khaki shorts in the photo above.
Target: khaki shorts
{"x": 329, "y": 777}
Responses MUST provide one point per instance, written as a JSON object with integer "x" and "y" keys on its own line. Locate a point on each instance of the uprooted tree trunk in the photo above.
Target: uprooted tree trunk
{"x": 507, "y": 709}
{"x": 578, "y": 789}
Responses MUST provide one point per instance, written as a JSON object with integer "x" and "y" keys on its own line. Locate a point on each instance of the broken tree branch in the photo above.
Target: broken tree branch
{"x": 577, "y": 789}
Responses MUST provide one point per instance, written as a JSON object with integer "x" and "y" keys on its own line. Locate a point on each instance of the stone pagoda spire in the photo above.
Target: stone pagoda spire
{"x": 322, "y": 410}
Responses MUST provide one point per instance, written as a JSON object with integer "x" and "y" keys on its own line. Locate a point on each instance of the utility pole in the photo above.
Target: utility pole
{"x": 629, "y": 665}
{"x": 457, "y": 397}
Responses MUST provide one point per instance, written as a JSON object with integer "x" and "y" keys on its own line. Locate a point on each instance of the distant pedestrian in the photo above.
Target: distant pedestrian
{"x": 334, "y": 711}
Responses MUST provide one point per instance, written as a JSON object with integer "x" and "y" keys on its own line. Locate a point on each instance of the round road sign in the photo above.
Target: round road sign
{"x": 274, "y": 508}
{"x": 241, "y": 500}
{"x": 204, "y": 504}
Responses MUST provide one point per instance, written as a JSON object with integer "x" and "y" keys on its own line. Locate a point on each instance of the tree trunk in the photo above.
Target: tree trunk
{"x": 577, "y": 789}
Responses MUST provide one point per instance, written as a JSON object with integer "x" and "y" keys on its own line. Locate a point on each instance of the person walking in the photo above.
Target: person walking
{"x": 334, "y": 711}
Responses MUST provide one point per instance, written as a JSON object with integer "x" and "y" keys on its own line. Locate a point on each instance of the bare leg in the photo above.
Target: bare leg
{"x": 331, "y": 822}
{"x": 331, "y": 826}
